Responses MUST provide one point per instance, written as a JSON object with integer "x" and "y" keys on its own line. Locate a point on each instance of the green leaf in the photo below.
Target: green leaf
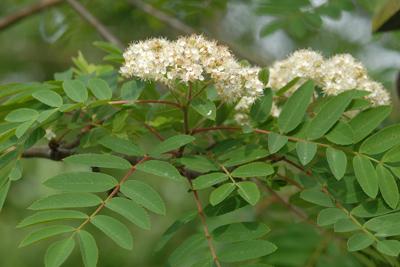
{"x": 22, "y": 115}
{"x": 130, "y": 210}
{"x": 366, "y": 121}
{"x": 49, "y": 216}
{"x": 44, "y": 233}
{"x": 82, "y": 182}
{"x": 172, "y": 143}
{"x": 337, "y": 162}
{"x": 88, "y": 247}
{"x": 114, "y": 229}
{"x": 245, "y": 154}
{"x": 144, "y": 195}
{"x": 249, "y": 191}
{"x": 306, "y": 151}
{"x": 99, "y": 160}
{"x": 44, "y": 115}
{"x": 66, "y": 200}
{"x": 222, "y": 192}
{"x": 229, "y": 204}
{"x": 208, "y": 180}
{"x": 242, "y": 231}
{"x": 100, "y": 89}
{"x": 120, "y": 145}
{"x": 58, "y": 252}
{"x": 276, "y": 142}
{"x": 393, "y": 155}
{"x": 198, "y": 163}
{"x": 387, "y": 186}
{"x": 191, "y": 246}
{"x": 23, "y": 128}
{"x": 3, "y": 193}
{"x": 366, "y": 175}
{"x": 330, "y": 216}
{"x": 262, "y": 107}
{"x": 359, "y": 241}
{"x": 263, "y": 75}
{"x": 76, "y": 90}
{"x": 295, "y": 108}
{"x": 205, "y": 108}
{"x": 389, "y": 247}
{"x": 381, "y": 141}
{"x": 341, "y": 134}
{"x": 161, "y": 168}
{"x": 329, "y": 114}
{"x": 314, "y": 195}
{"x": 371, "y": 209}
{"x": 255, "y": 169}
{"x": 386, "y": 225}
{"x": 49, "y": 98}
{"x": 131, "y": 91}
{"x": 246, "y": 250}
{"x": 345, "y": 225}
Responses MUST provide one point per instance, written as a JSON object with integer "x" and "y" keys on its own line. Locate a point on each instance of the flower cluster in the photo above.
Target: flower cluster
{"x": 334, "y": 75}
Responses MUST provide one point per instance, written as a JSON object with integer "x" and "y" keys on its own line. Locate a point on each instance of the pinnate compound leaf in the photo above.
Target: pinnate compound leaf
{"x": 208, "y": 180}
{"x": 49, "y": 98}
{"x": 221, "y": 193}
{"x": 366, "y": 175}
{"x": 295, "y": 108}
{"x": 246, "y": 250}
{"x": 144, "y": 195}
{"x": 337, "y": 162}
{"x": 122, "y": 146}
{"x": 44, "y": 233}
{"x": 160, "y": 168}
{"x": 114, "y": 229}
{"x": 172, "y": 143}
{"x": 99, "y": 160}
{"x": 130, "y": 210}
{"x": 255, "y": 169}
{"x": 306, "y": 151}
{"x": 388, "y": 186}
{"x": 242, "y": 231}
{"x": 381, "y": 141}
{"x": 58, "y": 252}
{"x": 88, "y": 247}
{"x": 100, "y": 89}
{"x": 51, "y": 215}
{"x": 199, "y": 164}
{"x": 82, "y": 182}
{"x": 75, "y": 90}
{"x": 249, "y": 191}
{"x": 276, "y": 142}
{"x": 66, "y": 200}
{"x": 359, "y": 241}
{"x": 23, "y": 128}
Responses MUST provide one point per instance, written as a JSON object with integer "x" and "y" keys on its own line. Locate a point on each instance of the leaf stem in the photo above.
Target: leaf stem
{"x": 145, "y": 101}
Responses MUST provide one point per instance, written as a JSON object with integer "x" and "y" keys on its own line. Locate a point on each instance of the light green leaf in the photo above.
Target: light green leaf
{"x": 191, "y": 246}
{"x": 44, "y": 115}
{"x": 120, "y": 145}
{"x": 314, "y": 195}
{"x": 246, "y": 250}
{"x": 306, "y": 151}
{"x": 366, "y": 175}
{"x": 100, "y": 89}
{"x": 66, "y": 200}
{"x": 114, "y": 229}
{"x": 255, "y": 169}
{"x": 82, "y": 182}
{"x": 99, "y": 160}
{"x": 263, "y": 75}
{"x": 341, "y": 134}
{"x": 387, "y": 186}
{"x": 22, "y": 115}
{"x": 262, "y": 107}
{"x": 3, "y": 193}
{"x": 329, "y": 114}
{"x": 205, "y": 108}
{"x": 386, "y": 225}
{"x": 393, "y": 155}
{"x": 49, "y": 98}
{"x": 330, "y": 216}
{"x": 130, "y": 210}
{"x": 295, "y": 108}
{"x": 242, "y": 231}
{"x": 373, "y": 208}
{"x": 276, "y": 142}
{"x": 345, "y": 225}
{"x": 366, "y": 121}
{"x": 249, "y": 191}
{"x": 23, "y": 128}
{"x": 221, "y": 193}
{"x": 381, "y": 141}
{"x": 52, "y": 215}
{"x": 389, "y": 247}
{"x": 44, "y": 233}
{"x": 208, "y": 180}
{"x": 76, "y": 90}
{"x": 144, "y": 195}
{"x": 88, "y": 247}
{"x": 359, "y": 241}
{"x": 160, "y": 168}
{"x": 58, "y": 252}
{"x": 245, "y": 154}
{"x": 198, "y": 163}
{"x": 337, "y": 162}
{"x": 172, "y": 143}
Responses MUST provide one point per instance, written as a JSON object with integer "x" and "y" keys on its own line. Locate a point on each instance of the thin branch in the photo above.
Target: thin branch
{"x": 92, "y": 20}
{"x": 145, "y": 101}
{"x": 154, "y": 132}
{"x": 27, "y": 12}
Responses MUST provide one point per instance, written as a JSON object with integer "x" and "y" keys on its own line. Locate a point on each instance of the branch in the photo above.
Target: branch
{"x": 92, "y": 20}
{"x": 47, "y": 153}
{"x": 27, "y": 12}
{"x": 145, "y": 101}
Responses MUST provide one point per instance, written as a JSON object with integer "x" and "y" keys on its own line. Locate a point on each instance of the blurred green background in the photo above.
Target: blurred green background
{"x": 259, "y": 31}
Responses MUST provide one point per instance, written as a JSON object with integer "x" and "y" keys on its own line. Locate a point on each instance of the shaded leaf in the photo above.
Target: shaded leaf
{"x": 53, "y": 215}
{"x": 114, "y": 229}
{"x": 255, "y": 169}
{"x": 387, "y": 186}
{"x": 58, "y": 252}
{"x": 130, "y": 210}
{"x": 330, "y": 216}
{"x": 99, "y": 160}
{"x": 66, "y": 200}
{"x": 120, "y": 145}
{"x": 240, "y": 232}
{"x": 337, "y": 162}
{"x": 314, "y": 195}
{"x": 262, "y": 107}
{"x": 88, "y": 247}
{"x": 276, "y": 142}
{"x": 366, "y": 175}
{"x": 221, "y": 193}
{"x": 75, "y": 90}
{"x": 172, "y": 143}
{"x": 341, "y": 134}
{"x": 246, "y": 250}
{"x": 44, "y": 233}
{"x": 160, "y": 168}
{"x": 381, "y": 141}
{"x": 306, "y": 151}
{"x": 205, "y": 108}
{"x": 208, "y": 180}
{"x": 100, "y": 89}
{"x": 389, "y": 247}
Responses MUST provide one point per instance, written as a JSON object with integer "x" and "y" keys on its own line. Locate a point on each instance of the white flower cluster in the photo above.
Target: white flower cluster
{"x": 334, "y": 75}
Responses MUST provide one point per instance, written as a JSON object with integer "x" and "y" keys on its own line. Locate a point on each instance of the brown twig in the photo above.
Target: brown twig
{"x": 154, "y": 132}
{"x": 27, "y": 12}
